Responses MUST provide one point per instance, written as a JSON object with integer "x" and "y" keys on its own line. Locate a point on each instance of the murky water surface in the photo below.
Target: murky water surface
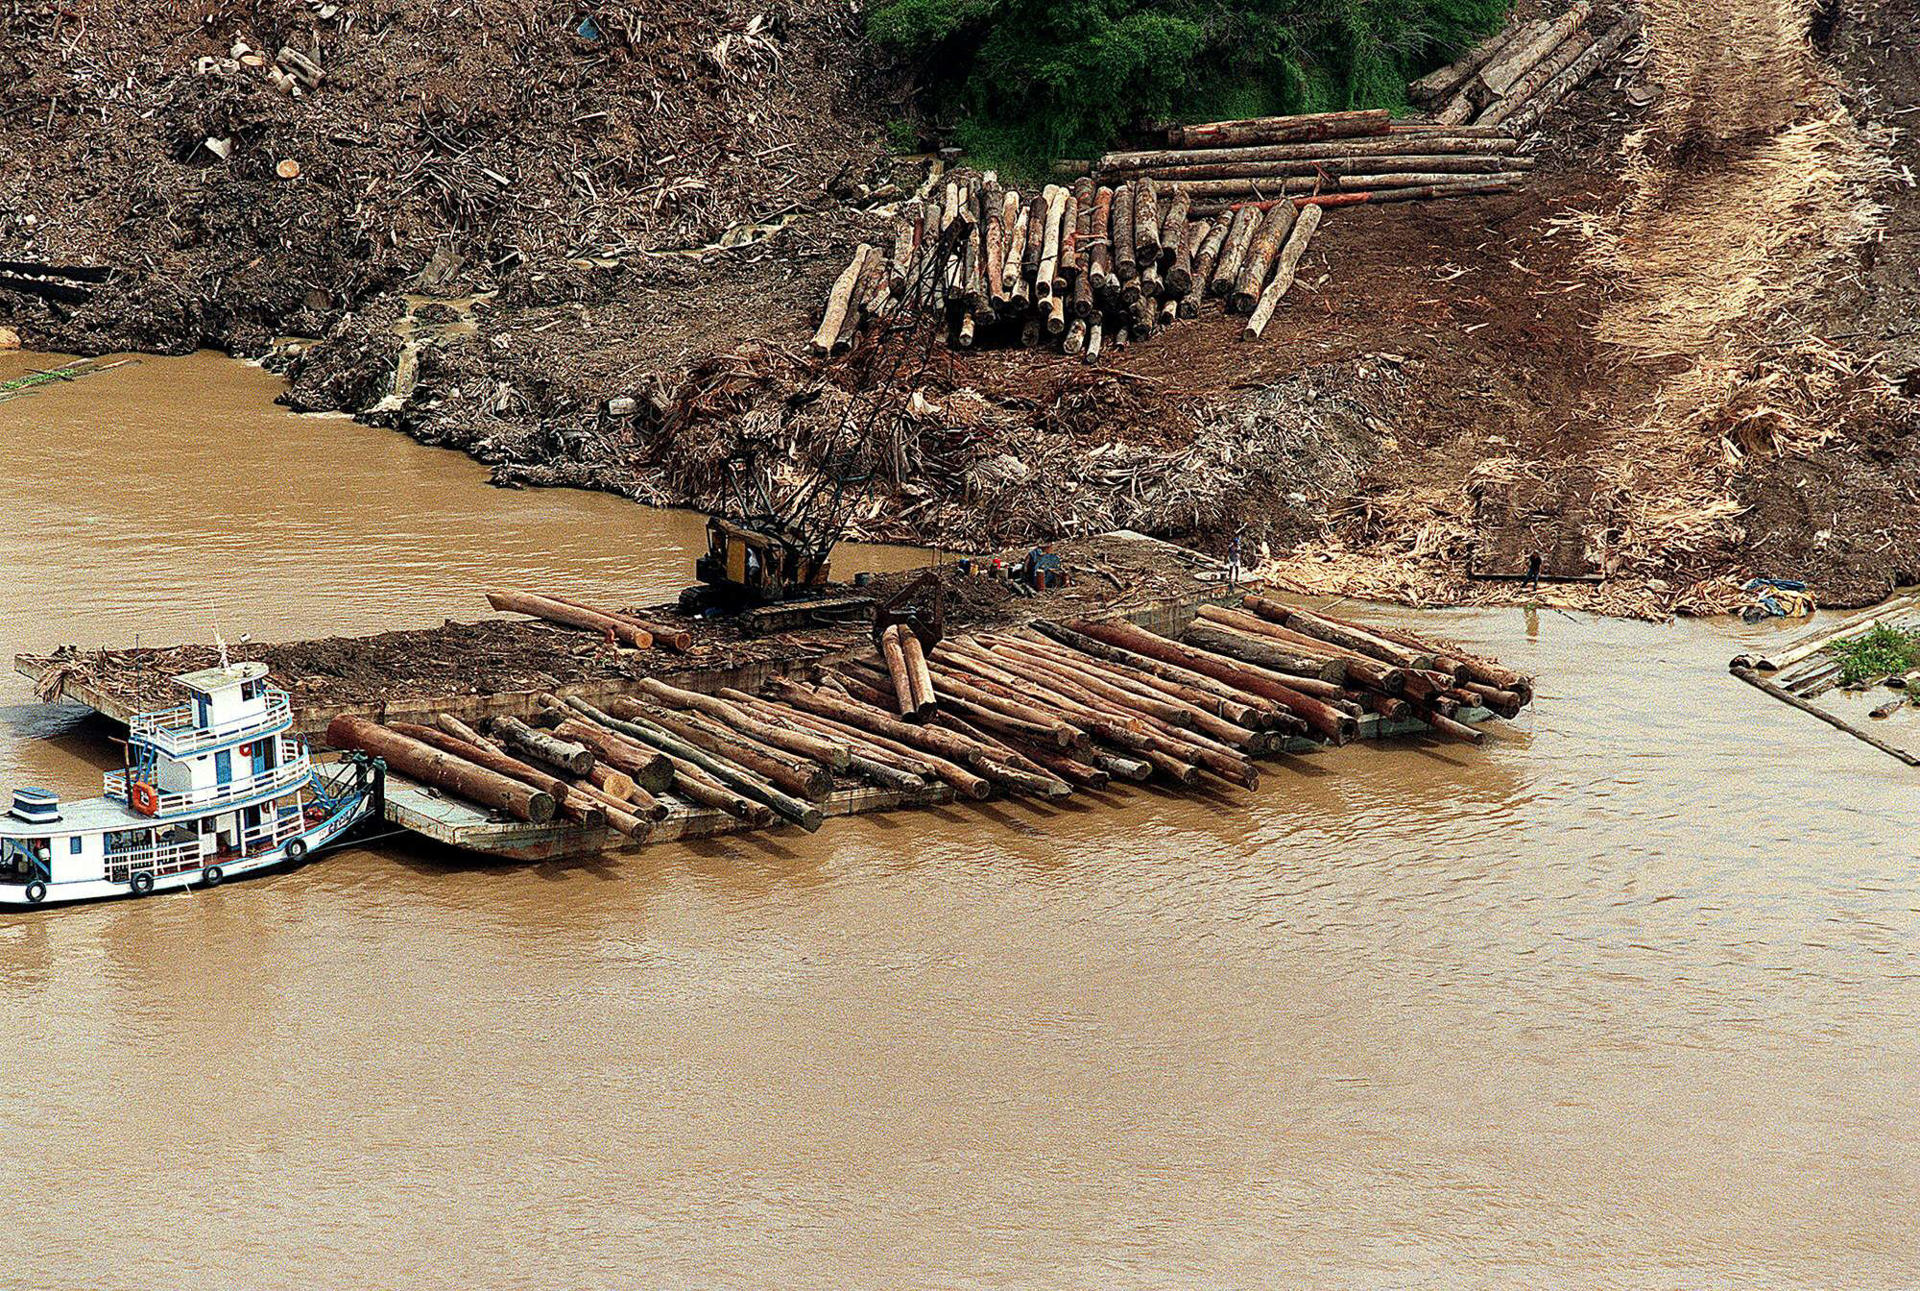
{"x": 1630, "y": 997}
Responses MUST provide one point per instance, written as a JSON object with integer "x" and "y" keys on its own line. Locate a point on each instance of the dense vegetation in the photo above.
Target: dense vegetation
{"x": 1019, "y": 81}
{"x": 1879, "y": 652}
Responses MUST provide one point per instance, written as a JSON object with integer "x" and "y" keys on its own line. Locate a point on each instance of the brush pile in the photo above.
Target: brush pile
{"x": 1514, "y": 79}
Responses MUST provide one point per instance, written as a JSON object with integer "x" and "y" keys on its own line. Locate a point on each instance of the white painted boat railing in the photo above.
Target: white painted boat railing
{"x": 293, "y": 769}
{"x": 176, "y": 731}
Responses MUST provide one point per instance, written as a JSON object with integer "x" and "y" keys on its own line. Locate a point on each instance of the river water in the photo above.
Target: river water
{"x": 1628, "y": 998}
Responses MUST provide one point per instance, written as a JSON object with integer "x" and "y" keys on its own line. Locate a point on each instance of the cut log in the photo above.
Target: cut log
{"x": 784, "y": 771}
{"x": 1284, "y": 272}
{"x": 835, "y": 757}
{"x": 866, "y": 285}
{"x": 572, "y": 616}
{"x": 543, "y": 746}
{"x": 665, "y": 636}
{"x": 1231, "y": 703}
{"x": 1274, "y": 227}
{"x": 1036, "y": 235}
{"x": 1099, "y": 248}
{"x": 438, "y": 769}
{"x": 1511, "y": 65}
{"x": 1096, "y": 337}
{"x": 907, "y": 230}
{"x": 1016, "y": 246}
{"x": 1066, "y": 266}
{"x": 1125, "y": 263}
{"x": 891, "y": 733}
{"x": 1208, "y": 257}
{"x": 1273, "y": 175}
{"x": 1525, "y": 117}
{"x": 1174, "y": 233}
{"x": 1290, "y": 129}
{"x": 1146, "y": 222}
{"x": 568, "y": 801}
{"x": 647, "y": 768}
{"x": 1346, "y": 635}
{"x": 925, "y": 699}
{"x": 1246, "y": 222}
{"x": 1209, "y": 634}
{"x": 1074, "y": 258}
{"x": 723, "y": 770}
{"x": 905, "y": 702}
{"x": 1569, "y": 52}
{"x": 1441, "y": 84}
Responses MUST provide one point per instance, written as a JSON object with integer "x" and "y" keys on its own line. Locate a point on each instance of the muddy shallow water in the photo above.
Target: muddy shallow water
{"x": 1630, "y": 997}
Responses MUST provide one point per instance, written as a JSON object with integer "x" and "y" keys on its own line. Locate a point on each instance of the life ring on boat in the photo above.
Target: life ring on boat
{"x": 212, "y": 875}
{"x": 296, "y": 849}
{"x": 143, "y": 798}
{"x": 141, "y": 883}
{"x": 36, "y": 892}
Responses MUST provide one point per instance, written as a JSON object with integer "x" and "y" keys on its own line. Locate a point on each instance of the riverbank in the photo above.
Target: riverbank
{"x": 1454, "y": 387}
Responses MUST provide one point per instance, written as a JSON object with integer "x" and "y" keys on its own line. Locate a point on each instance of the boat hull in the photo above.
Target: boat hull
{"x": 15, "y": 894}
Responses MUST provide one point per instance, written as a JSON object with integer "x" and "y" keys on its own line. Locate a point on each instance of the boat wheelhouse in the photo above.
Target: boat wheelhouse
{"x": 214, "y": 788}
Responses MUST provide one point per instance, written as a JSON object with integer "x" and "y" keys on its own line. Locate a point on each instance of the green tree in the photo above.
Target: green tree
{"x": 1023, "y": 81}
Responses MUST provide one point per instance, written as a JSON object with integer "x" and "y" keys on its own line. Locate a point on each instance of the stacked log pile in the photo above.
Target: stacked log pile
{"x": 1323, "y": 159}
{"x": 1041, "y": 712}
{"x": 1484, "y": 106}
{"x": 1058, "y": 706}
{"x": 1512, "y": 80}
{"x": 1085, "y": 270}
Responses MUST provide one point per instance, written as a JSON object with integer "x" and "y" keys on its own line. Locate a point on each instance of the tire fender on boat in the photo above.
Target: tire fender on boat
{"x": 212, "y": 875}
{"x": 141, "y": 883}
{"x": 296, "y": 849}
{"x": 35, "y": 893}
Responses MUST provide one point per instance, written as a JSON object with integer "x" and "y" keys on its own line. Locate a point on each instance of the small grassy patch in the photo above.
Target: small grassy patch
{"x": 1878, "y": 652}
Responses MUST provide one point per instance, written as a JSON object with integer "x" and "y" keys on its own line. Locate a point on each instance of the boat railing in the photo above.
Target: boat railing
{"x": 165, "y": 858}
{"x": 294, "y": 769}
{"x": 177, "y": 730}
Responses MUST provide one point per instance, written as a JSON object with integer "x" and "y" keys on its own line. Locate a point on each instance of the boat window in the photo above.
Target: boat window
{"x": 73, "y": 845}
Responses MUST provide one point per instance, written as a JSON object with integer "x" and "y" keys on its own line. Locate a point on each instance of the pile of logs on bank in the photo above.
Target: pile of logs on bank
{"x": 1223, "y": 214}
{"x": 1041, "y": 711}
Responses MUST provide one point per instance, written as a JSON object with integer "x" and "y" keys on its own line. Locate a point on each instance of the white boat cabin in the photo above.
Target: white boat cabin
{"x": 213, "y": 787}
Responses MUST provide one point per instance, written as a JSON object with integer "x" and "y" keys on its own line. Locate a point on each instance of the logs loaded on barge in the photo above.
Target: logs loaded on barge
{"x": 590, "y": 728}
{"x": 1041, "y": 711}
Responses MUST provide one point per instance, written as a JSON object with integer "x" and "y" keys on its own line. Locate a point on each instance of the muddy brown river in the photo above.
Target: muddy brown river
{"x": 1628, "y": 998}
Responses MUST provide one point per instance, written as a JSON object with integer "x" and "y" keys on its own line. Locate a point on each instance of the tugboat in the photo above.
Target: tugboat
{"x": 212, "y": 790}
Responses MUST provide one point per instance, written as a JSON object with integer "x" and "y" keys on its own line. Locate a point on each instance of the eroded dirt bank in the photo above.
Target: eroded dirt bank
{"x": 1678, "y": 358}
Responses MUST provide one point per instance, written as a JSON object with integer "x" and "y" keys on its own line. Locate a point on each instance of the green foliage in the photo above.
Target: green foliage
{"x": 1023, "y": 81}
{"x": 1879, "y": 652}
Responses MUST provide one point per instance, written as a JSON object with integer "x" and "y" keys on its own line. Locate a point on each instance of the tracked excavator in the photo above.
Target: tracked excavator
{"x": 767, "y": 563}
